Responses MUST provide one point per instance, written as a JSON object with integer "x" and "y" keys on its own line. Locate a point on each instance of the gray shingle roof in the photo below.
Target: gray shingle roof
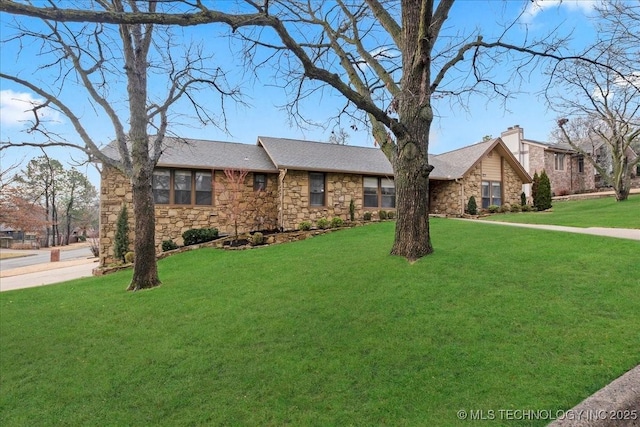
{"x": 454, "y": 164}
{"x": 320, "y": 156}
{"x": 198, "y": 153}
{"x": 271, "y": 154}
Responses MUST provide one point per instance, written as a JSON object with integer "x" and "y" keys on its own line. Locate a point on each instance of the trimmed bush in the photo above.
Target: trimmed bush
{"x": 129, "y": 257}
{"x": 391, "y": 214}
{"x": 493, "y": 208}
{"x": 322, "y": 223}
{"x": 304, "y": 226}
{"x": 523, "y": 199}
{"x": 352, "y": 210}
{"x": 367, "y": 216}
{"x": 472, "y": 207}
{"x": 534, "y": 188}
{"x": 516, "y": 208}
{"x": 336, "y": 222}
{"x": 527, "y": 208}
{"x": 121, "y": 239}
{"x": 257, "y": 238}
{"x": 505, "y": 208}
{"x": 544, "y": 193}
{"x": 168, "y": 245}
{"x": 382, "y": 215}
{"x": 199, "y": 235}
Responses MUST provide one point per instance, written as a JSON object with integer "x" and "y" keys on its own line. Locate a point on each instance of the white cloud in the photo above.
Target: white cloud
{"x": 537, "y": 6}
{"x": 15, "y": 106}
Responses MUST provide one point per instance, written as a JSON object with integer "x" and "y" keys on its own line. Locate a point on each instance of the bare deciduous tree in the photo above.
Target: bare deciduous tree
{"x": 114, "y": 64}
{"x": 391, "y": 61}
{"x": 600, "y": 102}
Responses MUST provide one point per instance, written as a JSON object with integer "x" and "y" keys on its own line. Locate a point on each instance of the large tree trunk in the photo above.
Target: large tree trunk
{"x": 410, "y": 160}
{"x": 412, "y": 238}
{"x": 145, "y": 269}
{"x": 622, "y": 179}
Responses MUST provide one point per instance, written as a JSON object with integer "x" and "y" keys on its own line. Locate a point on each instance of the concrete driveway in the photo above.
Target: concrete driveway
{"x": 44, "y": 272}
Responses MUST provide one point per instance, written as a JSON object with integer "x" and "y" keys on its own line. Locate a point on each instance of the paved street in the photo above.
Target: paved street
{"x": 36, "y": 268}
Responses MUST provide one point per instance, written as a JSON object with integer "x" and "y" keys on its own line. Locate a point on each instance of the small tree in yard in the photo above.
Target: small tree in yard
{"x": 523, "y": 199}
{"x": 543, "y": 201}
{"x": 121, "y": 244}
{"x": 472, "y": 207}
{"x": 235, "y": 184}
{"x": 534, "y": 189}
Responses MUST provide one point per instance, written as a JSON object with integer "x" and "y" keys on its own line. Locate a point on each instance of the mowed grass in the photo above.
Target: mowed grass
{"x": 602, "y": 212}
{"x": 330, "y": 331}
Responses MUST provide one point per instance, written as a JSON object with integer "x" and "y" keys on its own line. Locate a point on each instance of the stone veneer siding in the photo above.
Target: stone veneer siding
{"x": 256, "y": 212}
{"x": 451, "y": 197}
{"x": 340, "y": 189}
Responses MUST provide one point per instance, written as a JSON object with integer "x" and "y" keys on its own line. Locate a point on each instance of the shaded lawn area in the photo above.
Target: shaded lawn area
{"x": 330, "y": 331}
{"x": 603, "y": 212}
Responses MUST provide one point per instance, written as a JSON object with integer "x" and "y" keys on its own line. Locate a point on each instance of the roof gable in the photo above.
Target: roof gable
{"x": 457, "y": 163}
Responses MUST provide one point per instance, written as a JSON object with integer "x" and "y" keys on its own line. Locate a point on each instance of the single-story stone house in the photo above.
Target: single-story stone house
{"x": 289, "y": 181}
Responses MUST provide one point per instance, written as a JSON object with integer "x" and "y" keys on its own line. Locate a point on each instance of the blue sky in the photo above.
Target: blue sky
{"x": 454, "y": 128}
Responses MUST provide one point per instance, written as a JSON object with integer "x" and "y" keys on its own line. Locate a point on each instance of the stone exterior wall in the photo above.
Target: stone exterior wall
{"x": 445, "y": 198}
{"x": 340, "y": 188}
{"x": 256, "y": 211}
{"x": 451, "y": 197}
{"x": 511, "y": 184}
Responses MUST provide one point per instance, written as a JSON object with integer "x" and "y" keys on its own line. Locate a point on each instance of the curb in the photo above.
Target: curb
{"x": 615, "y": 405}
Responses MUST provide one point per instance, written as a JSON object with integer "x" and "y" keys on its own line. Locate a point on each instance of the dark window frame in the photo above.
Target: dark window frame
{"x": 380, "y": 195}
{"x": 196, "y": 194}
{"x": 580, "y": 164}
{"x": 314, "y": 194}
{"x": 259, "y": 184}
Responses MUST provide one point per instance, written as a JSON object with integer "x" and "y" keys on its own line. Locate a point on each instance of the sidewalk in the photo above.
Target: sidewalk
{"x": 620, "y": 233}
{"x": 46, "y": 273}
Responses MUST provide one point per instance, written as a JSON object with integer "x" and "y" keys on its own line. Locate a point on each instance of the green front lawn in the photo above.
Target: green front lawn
{"x": 330, "y": 331}
{"x": 602, "y": 212}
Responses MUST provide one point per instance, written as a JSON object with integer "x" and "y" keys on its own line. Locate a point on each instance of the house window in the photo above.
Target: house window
{"x": 316, "y": 189}
{"x": 379, "y": 192}
{"x": 559, "y": 161}
{"x": 259, "y": 182}
{"x": 370, "y": 192}
{"x": 491, "y": 193}
{"x": 581, "y": 164}
{"x": 161, "y": 183}
{"x": 203, "y": 188}
{"x": 388, "y": 192}
{"x": 182, "y": 187}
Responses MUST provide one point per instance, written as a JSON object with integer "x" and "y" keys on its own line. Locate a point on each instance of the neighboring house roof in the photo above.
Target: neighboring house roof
{"x": 455, "y": 164}
{"x": 321, "y": 156}
{"x": 199, "y": 153}
{"x": 560, "y": 147}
